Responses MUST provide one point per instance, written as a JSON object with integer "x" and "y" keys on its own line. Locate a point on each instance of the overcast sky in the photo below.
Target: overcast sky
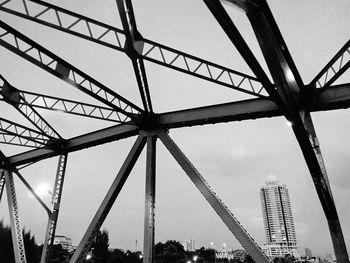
{"x": 235, "y": 158}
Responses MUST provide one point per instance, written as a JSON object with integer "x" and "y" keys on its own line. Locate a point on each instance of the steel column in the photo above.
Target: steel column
{"x": 148, "y": 239}
{"x": 53, "y": 216}
{"x": 216, "y": 203}
{"x": 108, "y": 201}
{"x": 16, "y": 230}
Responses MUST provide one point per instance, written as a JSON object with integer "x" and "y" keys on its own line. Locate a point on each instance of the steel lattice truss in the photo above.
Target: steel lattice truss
{"x": 286, "y": 95}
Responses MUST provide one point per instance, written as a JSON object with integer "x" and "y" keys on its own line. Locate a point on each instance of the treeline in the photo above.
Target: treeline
{"x": 169, "y": 252}
{"x": 6, "y": 247}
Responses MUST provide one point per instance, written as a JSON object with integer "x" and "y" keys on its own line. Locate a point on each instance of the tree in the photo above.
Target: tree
{"x": 32, "y": 249}
{"x": 59, "y": 255}
{"x": 100, "y": 247}
{"x": 248, "y": 259}
{"x": 206, "y": 254}
{"x": 6, "y": 246}
{"x": 170, "y": 252}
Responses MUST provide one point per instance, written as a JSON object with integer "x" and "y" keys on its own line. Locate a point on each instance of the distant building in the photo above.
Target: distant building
{"x": 234, "y": 254}
{"x": 308, "y": 252}
{"x": 278, "y": 219}
{"x": 189, "y": 245}
{"x": 330, "y": 257}
{"x": 64, "y": 241}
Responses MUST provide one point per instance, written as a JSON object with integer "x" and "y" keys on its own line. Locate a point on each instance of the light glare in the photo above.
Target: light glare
{"x": 42, "y": 189}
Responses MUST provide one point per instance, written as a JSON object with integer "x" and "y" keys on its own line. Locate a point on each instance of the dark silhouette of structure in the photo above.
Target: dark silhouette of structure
{"x": 286, "y": 95}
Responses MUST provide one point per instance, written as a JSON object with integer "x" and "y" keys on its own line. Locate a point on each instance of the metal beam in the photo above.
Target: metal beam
{"x": 333, "y": 70}
{"x": 67, "y": 21}
{"x": 134, "y": 46}
{"x": 16, "y": 229}
{"x": 31, "y": 190}
{"x": 228, "y": 112}
{"x": 107, "y": 203}
{"x": 112, "y": 37}
{"x": 335, "y": 97}
{"x": 43, "y": 58}
{"x": 236, "y": 38}
{"x": 216, "y": 203}
{"x": 13, "y": 128}
{"x": 77, "y": 143}
{"x": 244, "y": 5}
{"x": 150, "y": 195}
{"x": 17, "y": 140}
{"x": 12, "y": 96}
{"x": 53, "y": 216}
{"x": 279, "y": 61}
{"x": 46, "y": 102}
{"x": 332, "y": 98}
{"x": 5, "y": 163}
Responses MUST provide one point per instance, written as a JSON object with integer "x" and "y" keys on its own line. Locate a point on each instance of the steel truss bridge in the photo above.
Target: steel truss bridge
{"x": 286, "y": 96}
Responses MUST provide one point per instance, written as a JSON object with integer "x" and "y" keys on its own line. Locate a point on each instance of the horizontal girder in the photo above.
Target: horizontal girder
{"x": 17, "y": 140}
{"x": 12, "y": 128}
{"x": 77, "y": 143}
{"x": 336, "y": 97}
{"x": 68, "y": 106}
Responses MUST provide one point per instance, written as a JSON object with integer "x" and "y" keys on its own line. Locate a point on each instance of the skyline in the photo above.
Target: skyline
{"x": 234, "y": 157}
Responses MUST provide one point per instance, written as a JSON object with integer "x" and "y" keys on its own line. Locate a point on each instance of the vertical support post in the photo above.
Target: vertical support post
{"x": 216, "y": 203}
{"x": 53, "y": 216}
{"x": 148, "y": 239}
{"x": 16, "y": 230}
{"x": 108, "y": 201}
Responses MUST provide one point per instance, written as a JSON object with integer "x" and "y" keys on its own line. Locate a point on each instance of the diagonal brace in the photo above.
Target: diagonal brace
{"x": 294, "y": 96}
{"x": 334, "y": 69}
{"x": 217, "y": 204}
{"x": 108, "y": 201}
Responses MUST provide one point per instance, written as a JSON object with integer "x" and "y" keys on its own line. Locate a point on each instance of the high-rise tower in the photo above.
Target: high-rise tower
{"x": 278, "y": 219}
